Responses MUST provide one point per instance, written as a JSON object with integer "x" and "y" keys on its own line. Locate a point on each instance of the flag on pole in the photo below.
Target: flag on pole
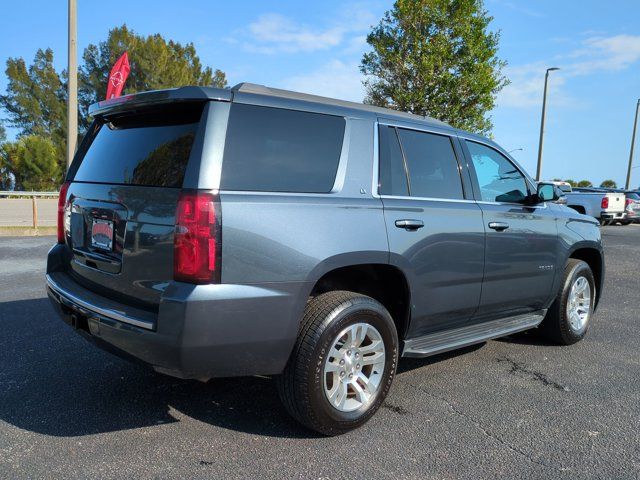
{"x": 118, "y": 76}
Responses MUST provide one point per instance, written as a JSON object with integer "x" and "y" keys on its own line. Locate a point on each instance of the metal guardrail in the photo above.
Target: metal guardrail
{"x": 12, "y": 193}
{"x": 33, "y": 196}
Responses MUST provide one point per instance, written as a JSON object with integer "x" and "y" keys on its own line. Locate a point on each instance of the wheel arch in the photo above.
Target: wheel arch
{"x": 385, "y": 283}
{"x": 593, "y": 257}
{"x": 578, "y": 208}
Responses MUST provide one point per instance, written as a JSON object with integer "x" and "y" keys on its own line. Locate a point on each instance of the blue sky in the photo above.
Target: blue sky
{"x": 316, "y": 47}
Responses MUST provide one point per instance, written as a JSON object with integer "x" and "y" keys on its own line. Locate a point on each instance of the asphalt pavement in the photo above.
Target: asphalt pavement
{"x": 511, "y": 408}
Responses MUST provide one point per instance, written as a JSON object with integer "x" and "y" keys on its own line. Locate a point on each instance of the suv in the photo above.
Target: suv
{"x": 227, "y": 232}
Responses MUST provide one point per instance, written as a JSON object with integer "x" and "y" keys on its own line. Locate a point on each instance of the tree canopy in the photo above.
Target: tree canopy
{"x": 585, "y": 183}
{"x": 609, "y": 184}
{"x": 35, "y": 98}
{"x": 36, "y": 95}
{"x": 155, "y": 64}
{"x": 436, "y": 58}
{"x": 33, "y": 161}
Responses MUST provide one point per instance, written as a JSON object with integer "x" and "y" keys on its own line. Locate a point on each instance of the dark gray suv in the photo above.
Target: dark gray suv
{"x": 213, "y": 233}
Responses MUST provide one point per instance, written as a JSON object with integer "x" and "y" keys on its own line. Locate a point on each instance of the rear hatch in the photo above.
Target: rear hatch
{"x": 120, "y": 215}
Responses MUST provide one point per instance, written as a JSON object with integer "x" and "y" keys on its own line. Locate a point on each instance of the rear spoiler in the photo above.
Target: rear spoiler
{"x": 158, "y": 97}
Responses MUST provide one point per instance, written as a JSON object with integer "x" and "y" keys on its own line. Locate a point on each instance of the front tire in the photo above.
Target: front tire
{"x": 342, "y": 365}
{"x": 567, "y": 320}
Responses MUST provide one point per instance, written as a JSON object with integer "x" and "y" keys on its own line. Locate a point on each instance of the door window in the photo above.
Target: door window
{"x": 418, "y": 164}
{"x": 498, "y": 178}
{"x": 432, "y": 165}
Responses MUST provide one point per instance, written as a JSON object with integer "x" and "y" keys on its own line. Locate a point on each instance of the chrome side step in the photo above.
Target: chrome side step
{"x": 444, "y": 341}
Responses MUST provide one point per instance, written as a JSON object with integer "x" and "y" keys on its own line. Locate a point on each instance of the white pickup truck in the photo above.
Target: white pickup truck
{"x": 607, "y": 207}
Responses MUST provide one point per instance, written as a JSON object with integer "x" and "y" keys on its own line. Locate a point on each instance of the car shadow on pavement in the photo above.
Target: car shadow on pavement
{"x": 529, "y": 337}
{"x": 408, "y": 364}
{"x": 54, "y": 382}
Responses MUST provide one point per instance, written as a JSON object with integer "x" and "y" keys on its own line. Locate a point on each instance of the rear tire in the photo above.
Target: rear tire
{"x": 567, "y": 320}
{"x": 316, "y": 387}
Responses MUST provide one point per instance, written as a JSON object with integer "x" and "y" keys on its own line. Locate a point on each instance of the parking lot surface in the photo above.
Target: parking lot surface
{"x": 511, "y": 408}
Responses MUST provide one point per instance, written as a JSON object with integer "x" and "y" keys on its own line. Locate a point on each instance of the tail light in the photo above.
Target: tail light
{"x": 62, "y": 201}
{"x": 605, "y": 203}
{"x": 628, "y": 205}
{"x": 197, "y": 239}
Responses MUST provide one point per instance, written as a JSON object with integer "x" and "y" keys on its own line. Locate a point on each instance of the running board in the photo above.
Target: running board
{"x": 444, "y": 341}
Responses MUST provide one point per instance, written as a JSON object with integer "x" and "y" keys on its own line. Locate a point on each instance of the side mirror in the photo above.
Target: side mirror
{"x": 548, "y": 192}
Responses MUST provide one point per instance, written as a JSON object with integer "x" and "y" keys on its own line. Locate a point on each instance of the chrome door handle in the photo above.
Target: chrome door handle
{"x": 498, "y": 226}
{"x": 409, "y": 224}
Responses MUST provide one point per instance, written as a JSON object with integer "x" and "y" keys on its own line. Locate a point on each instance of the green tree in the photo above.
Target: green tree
{"x": 5, "y": 174}
{"x": 155, "y": 64}
{"x": 35, "y": 100}
{"x": 33, "y": 161}
{"x": 609, "y": 184}
{"x": 585, "y": 183}
{"x": 436, "y": 58}
{"x": 571, "y": 182}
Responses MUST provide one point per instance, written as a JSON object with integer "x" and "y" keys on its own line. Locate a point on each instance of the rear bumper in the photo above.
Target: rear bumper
{"x": 199, "y": 331}
{"x": 613, "y": 215}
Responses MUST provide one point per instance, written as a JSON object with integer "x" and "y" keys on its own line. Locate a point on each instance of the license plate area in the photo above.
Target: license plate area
{"x": 97, "y": 234}
{"x": 102, "y": 234}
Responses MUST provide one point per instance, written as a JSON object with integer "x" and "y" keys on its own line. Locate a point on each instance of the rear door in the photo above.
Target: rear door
{"x": 435, "y": 229}
{"x": 120, "y": 216}
{"x": 522, "y": 245}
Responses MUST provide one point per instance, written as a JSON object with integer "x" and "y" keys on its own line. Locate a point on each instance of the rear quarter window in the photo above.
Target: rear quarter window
{"x": 276, "y": 150}
{"x": 150, "y": 148}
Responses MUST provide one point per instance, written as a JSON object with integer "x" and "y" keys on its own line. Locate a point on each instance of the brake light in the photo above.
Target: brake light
{"x": 628, "y": 202}
{"x": 197, "y": 238}
{"x": 605, "y": 202}
{"x": 62, "y": 201}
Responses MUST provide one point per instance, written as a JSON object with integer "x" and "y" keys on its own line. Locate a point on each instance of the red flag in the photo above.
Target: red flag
{"x": 118, "y": 76}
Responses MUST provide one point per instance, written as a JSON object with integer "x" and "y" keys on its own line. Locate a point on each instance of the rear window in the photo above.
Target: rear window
{"x": 277, "y": 150}
{"x": 150, "y": 148}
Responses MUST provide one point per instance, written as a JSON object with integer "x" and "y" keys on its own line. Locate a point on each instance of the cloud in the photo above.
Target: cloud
{"x": 273, "y": 33}
{"x": 607, "y": 54}
{"x": 336, "y": 79}
{"x": 527, "y": 83}
{"x": 595, "y": 55}
{"x": 524, "y": 10}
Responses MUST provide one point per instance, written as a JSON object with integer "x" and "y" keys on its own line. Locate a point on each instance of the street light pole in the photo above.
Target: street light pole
{"x": 633, "y": 142}
{"x": 72, "y": 85}
{"x": 544, "y": 112}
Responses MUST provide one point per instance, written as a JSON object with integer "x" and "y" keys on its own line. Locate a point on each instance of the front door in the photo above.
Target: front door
{"x": 436, "y": 233}
{"x": 521, "y": 240}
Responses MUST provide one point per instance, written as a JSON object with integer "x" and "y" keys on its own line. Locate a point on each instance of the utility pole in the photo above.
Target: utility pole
{"x": 633, "y": 142}
{"x": 544, "y": 113}
{"x": 72, "y": 85}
